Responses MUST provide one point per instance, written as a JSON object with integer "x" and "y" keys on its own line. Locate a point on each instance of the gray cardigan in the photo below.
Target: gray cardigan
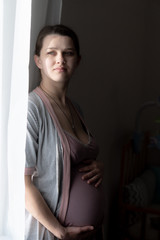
{"x": 47, "y": 155}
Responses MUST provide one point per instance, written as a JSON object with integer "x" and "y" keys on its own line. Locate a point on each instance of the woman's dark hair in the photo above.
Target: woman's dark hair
{"x": 56, "y": 29}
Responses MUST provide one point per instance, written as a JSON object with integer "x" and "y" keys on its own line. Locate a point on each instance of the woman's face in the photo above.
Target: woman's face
{"x": 58, "y": 58}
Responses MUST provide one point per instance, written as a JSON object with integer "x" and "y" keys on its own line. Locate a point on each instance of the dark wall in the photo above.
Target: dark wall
{"x": 119, "y": 72}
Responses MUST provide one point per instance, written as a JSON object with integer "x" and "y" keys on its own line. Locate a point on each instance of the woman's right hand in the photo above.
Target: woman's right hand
{"x": 77, "y": 233}
{"x": 39, "y": 209}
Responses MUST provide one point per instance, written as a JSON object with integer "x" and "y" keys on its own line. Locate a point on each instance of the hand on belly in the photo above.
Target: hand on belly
{"x": 93, "y": 172}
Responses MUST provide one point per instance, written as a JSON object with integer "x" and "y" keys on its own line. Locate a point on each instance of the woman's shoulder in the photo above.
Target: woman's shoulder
{"x": 35, "y": 104}
{"x": 34, "y": 100}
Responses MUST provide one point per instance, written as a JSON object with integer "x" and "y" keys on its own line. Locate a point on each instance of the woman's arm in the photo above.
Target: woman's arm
{"x": 36, "y": 205}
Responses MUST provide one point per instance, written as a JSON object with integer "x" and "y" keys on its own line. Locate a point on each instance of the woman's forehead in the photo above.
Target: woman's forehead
{"x": 57, "y": 41}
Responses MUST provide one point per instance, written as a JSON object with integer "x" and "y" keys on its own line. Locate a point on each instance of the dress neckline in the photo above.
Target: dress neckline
{"x": 77, "y": 139}
{"x": 59, "y": 125}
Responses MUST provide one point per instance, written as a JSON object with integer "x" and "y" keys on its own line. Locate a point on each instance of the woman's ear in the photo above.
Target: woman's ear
{"x": 37, "y": 61}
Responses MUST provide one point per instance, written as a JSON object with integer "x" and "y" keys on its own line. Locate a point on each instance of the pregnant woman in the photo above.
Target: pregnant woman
{"x": 63, "y": 190}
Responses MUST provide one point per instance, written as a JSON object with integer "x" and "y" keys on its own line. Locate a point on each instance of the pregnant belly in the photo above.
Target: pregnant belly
{"x": 86, "y": 203}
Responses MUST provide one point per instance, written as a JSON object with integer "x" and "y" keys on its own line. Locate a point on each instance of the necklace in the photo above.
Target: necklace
{"x": 66, "y": 116}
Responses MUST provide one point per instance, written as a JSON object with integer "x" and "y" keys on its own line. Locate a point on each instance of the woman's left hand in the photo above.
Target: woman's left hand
{"x": 93, "y": 172}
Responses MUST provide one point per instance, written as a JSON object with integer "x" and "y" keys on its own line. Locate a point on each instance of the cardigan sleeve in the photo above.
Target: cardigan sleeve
{"x": 31, "y": 139}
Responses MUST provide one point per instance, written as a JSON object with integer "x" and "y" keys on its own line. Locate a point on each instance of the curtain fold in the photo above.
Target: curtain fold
{"x": 20, "y": 22}
{"x": 15, "y": 27}
{"x": 17, "y": 118}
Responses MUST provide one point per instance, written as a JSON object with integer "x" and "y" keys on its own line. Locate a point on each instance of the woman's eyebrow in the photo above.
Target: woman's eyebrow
{"x": 69, "y": 48}
{"x": 51, "y": 48}
{"x": 54, "y": 48}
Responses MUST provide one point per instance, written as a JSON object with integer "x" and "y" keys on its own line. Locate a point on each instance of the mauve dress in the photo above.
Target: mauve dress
{"x": 86, "y": 202}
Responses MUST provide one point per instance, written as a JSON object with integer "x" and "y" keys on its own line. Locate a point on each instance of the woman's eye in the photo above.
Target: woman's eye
{"x": 51, "y": 53}
{"x": 69, "y": 53}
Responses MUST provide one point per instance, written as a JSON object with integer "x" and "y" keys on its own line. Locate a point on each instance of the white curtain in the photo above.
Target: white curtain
{"x": 20, "y": 21}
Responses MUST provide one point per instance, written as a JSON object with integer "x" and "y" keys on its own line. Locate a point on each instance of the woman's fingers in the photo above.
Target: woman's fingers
{"x": 90, "y": 174}
{"x": 93, "y": 172}
{"x": 86, "y": 228}
{"x": 77, "y": 233}
{"x": 98, "y": 183}
{"x": 95, "y": 179}
{"x": 91, "y": 165}
{"x": 86, "y": 168}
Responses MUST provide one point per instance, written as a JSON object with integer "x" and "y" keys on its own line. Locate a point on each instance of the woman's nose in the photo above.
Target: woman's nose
{"x": 60, "y": 58}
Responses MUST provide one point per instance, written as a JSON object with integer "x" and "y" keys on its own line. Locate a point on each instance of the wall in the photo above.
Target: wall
{"x": 114, "y": 77}
{"x": 152, "y": 59}
{"x": 49, "y": 12}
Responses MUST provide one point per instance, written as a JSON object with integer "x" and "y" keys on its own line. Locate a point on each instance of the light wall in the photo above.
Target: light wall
{"x": 48, "y": 13}
{"x": 117, "y": 74}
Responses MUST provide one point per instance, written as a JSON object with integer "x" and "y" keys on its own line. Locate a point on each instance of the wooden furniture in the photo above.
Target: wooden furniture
{"x": 137, "y": 185}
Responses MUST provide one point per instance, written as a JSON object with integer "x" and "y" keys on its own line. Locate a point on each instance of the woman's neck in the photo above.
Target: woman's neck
{"x": 55, "y": 91}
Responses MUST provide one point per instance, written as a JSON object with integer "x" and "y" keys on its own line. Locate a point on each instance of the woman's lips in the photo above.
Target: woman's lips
{"x": 60, "y": 69}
